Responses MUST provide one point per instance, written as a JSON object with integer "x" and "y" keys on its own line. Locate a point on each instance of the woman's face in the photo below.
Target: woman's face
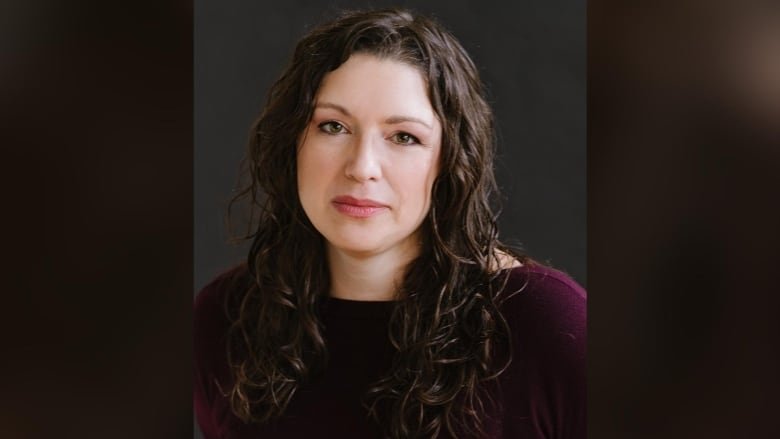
{"x": 368, "y": 158}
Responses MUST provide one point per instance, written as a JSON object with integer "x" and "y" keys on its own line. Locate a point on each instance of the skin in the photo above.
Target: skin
{"x": 374, "y": 135}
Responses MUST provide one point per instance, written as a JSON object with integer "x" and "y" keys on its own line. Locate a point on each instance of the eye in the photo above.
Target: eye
{"x": 332, "y": 127}
{"x": 403, "y": 138}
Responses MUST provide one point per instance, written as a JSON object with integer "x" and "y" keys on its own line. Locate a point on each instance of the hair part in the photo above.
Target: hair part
{"x": 447, "y": 330}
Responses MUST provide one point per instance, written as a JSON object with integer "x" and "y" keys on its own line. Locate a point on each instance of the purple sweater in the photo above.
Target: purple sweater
{"x": 541, "y": 394}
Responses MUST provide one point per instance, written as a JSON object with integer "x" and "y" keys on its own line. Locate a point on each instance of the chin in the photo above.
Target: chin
{"x": 356, "y": 247}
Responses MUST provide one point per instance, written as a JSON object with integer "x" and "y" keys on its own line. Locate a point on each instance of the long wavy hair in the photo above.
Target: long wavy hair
{"x": 449, "y": 337}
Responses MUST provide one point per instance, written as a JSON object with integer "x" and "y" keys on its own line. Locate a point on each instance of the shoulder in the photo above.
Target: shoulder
{"x": 211, "y": 316}
{"x": 546, "y": 312}
{"x": 211, "y": 322}
{"x": 218, "y": 288}
{"x": 212, "y": 310}
{"x": 545, "y": 384}
{"x": 209, "y": 308}
{"x": 544, "y": 289}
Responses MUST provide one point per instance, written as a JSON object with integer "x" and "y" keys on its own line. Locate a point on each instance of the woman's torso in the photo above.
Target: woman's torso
{"x": 540, "y": 395}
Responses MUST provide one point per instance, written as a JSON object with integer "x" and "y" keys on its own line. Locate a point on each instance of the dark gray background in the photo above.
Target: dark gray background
{"x": 531, "y": 55}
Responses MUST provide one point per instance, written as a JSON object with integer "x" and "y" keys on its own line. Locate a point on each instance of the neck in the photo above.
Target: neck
{"x": 374, "y": 277}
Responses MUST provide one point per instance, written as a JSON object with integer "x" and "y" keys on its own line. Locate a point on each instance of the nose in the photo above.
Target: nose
{"x": 364, "y": 163}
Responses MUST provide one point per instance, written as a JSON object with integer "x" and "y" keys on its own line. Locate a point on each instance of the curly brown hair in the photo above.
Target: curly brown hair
{"x": 446, "y": 327}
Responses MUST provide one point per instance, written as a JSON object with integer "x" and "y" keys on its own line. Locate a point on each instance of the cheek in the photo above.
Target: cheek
{"x": 309, "y": 182}
{"x": 306, "y": 161}
{"x": 430, "y": 178}
{"x": 309, "y": 167}
{"x": 417, "y": 183}
{"x": 306, "y": 167}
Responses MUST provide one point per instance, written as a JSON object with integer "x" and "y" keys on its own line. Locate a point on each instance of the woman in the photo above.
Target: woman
{"x": 377, "y": 300}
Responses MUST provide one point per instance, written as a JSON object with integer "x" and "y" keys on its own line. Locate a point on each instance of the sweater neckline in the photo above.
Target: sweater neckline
{"x": 357, "y": 309}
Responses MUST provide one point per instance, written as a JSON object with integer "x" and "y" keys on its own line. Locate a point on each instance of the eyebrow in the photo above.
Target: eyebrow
{"x": 392, "y": 120}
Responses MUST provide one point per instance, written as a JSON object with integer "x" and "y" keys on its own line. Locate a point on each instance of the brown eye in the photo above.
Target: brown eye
{"x": 332, "y": 127}
{"x": 405, "y": 139}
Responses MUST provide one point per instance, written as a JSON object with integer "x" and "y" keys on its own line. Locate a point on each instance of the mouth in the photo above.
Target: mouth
{"x": 358, "y": 207}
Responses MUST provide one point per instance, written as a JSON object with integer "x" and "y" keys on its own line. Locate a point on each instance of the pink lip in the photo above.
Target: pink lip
{"x": 358, "y": 208}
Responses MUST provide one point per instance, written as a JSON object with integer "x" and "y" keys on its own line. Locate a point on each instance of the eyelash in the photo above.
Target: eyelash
{"x": 412, "y": 140}
{"x": 323, "y": 127}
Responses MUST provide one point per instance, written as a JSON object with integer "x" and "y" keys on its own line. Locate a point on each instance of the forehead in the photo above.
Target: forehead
{"x": 369, "y": 85}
